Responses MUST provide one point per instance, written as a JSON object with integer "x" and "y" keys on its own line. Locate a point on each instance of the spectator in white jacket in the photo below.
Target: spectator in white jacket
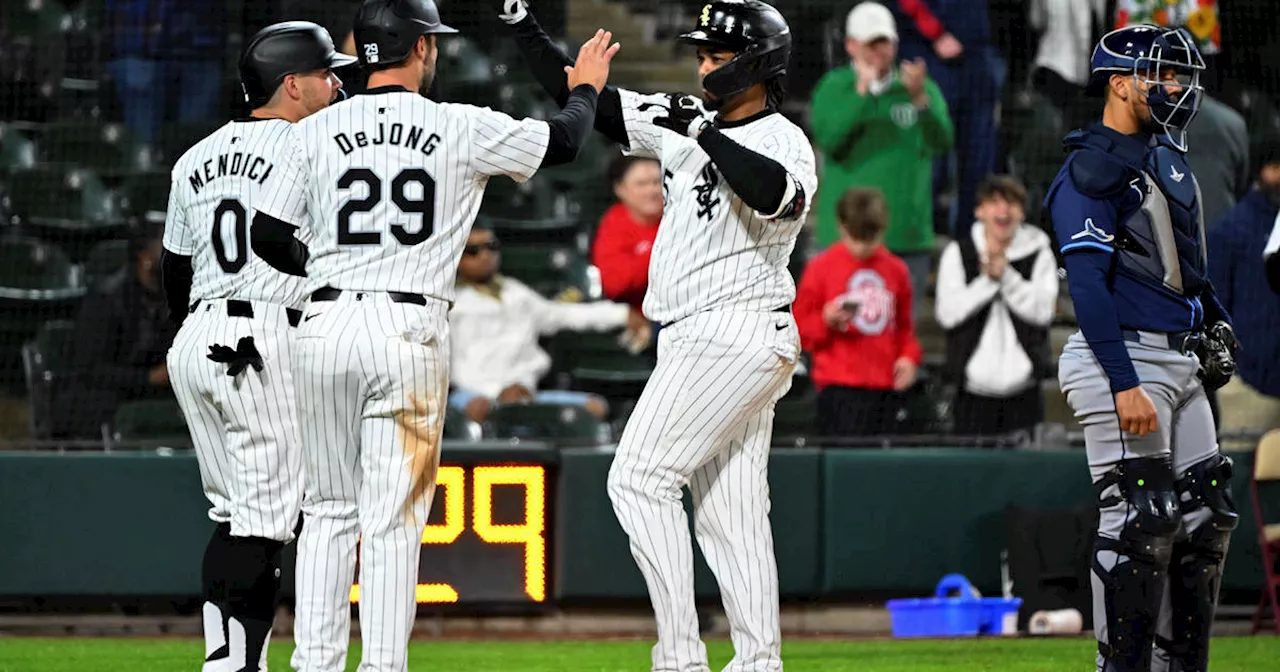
{"x": 997, "y": 290}
{"x": 494, "y": 328}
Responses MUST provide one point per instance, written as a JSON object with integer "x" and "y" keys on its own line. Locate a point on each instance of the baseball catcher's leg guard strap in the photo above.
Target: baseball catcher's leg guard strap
{"x": 1138, "y": 520}
{"x": 241, "y": 584}
{"x": 1195, "y": 571}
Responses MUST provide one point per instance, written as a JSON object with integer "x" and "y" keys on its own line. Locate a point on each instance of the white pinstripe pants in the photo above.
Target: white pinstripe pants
{"x": 372, "y": 383}
{"x": 705, "y": 419}
{"x": 245, "y": 429}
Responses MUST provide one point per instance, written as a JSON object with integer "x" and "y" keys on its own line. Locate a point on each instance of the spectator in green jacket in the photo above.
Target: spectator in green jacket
{"x": 881, "y": 126}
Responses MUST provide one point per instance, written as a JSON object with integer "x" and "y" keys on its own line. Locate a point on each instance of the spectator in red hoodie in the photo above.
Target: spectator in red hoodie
{"x": 853, "y": 308}
{"x": 625, "y": 236}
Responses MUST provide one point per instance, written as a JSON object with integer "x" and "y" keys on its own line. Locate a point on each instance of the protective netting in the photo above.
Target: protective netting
{"x": 99, "y": 97}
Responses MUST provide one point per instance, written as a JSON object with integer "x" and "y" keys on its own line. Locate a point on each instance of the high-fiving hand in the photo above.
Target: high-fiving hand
{"x": 592, "y": 66}
{"x": 513, "y": 11}
{"x": 685, "y": 115}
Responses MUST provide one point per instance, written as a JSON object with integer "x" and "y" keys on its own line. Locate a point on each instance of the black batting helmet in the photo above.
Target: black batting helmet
{"x": 754, "y": 31}
{"x": 387, "y": 30}
{"x": 285, "y": 49}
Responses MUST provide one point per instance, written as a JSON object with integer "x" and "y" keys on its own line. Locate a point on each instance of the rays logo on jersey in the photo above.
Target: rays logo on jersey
{"x": 709, "y": 179}
{"x": 1091, "y": 230}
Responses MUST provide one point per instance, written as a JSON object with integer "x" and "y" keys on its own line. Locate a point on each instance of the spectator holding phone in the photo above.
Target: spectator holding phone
{"x": 853, "y": 308}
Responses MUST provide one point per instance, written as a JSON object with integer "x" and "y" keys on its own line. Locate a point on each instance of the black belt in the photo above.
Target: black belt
{"x": 332, "y": 294}
{"x": 1179, "y": 341}
{"x": 238, "y": 308}
{"x": 782, "y": 309}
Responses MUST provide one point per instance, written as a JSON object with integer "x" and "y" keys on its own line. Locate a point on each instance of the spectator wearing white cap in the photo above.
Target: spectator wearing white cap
{"x": 880, "y": 124}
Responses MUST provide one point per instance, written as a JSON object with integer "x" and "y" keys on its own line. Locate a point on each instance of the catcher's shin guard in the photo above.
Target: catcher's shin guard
{"x": 241, "y": 584}
{"x": 1138, "y": 520}
{"x": 1195, "y": 570}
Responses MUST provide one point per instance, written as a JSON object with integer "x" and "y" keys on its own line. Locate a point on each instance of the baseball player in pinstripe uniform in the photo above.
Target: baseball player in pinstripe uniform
{"x": 737, "y": 186}
{"x": 383, "y": 189}
{"x": 230, "y": 362}
{"x": 1153, "y": 337}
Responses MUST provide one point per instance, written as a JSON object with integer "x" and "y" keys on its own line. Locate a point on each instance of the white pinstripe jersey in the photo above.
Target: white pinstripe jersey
{"x": 216, "y": 187}
{"x": 389, "y": 184}
{"x": 713, "y": 252}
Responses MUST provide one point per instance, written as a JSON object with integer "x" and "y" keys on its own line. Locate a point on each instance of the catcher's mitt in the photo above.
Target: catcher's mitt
{"x": 1217, "y": 354}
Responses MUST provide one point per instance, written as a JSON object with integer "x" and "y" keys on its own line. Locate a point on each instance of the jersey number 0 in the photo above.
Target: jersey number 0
{"x": 424, "y": 206}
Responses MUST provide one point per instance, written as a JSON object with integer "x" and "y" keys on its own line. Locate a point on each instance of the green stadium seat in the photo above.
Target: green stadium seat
{"x": 105, "y": 148}
{"x": 146, "y": 195}
{"x": 597, "y": 362}
{"x": 559, "y": 422}
{"x": 149, "y": 423}
{"x": 507, "y": 199}
{"x": 33, "y": 270}
{"x": 45, "y": 360}
{"x": 458, "y": 427}
{"x": 548, "y": 269}
{"x": 37, "y": 283}
{"x": 62, "y": 197}
{"x": 17, "y": 151}
{"x": 552, "y": 231}
{"x": 794, "y": 420}
{"x": 34, "y": 21}
{"x": 107, "y": 259}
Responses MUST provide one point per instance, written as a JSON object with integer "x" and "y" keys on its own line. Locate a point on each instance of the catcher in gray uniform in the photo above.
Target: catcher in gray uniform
{"x": 1153, "y": 336}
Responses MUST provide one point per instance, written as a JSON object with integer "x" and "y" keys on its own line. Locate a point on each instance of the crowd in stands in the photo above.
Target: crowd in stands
{"x": 927, "y": 284}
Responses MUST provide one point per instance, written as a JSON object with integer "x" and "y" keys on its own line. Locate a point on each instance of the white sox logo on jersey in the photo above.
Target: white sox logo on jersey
{"x": 706, "y": 190}
{"x": 875, "y": 302}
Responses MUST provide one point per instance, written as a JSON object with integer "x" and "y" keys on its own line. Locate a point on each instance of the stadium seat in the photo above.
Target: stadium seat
{"x": 17, "y": 151}
{"x": 105, "y": 148}
{"x": 547, "y": 421}
{"x": 45, "y": 359}
{"x": 1265, "y": 492}
{"x": 548, "y": 269}
{"x": 149, "y": 423}
{"x": 524, "y": 231}
{"x": 37, "y": 283}
{"x": 794, "y": 420}
{"x": 107, "y": 259}
{"x": 458, "y": 427}
{"x": 146, "y": 195}
{"x": 62, "y": 197}
{"x": 507, "y": 199}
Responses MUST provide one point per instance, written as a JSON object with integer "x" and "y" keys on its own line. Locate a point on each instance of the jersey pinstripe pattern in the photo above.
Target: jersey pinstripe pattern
{"x": 216, "y": 185}
{"x": 718, "y": 279}
{"x": 413, "y": 148}
{"x": 385, "y": 187}
{"x": 712, "y": 250}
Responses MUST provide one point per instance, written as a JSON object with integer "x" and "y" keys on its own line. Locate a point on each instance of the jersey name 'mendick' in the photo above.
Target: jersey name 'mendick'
{"x": 237, "y": 164}
{"x": 395, "y": 135}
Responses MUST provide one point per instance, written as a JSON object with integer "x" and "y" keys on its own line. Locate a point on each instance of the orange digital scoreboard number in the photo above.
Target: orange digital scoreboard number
{"x": 497, "y": 553}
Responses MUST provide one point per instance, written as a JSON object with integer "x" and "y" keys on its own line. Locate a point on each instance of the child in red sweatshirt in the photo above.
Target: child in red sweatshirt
{"x": 853, "y": 307}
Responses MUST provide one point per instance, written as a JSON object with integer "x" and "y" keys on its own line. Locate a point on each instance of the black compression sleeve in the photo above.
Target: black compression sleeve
{"x": 547, "y": 62}
{"x": 176, "y": 274}
{"x": 272, "y": 240}
{"x": 758, "y": 180}
{"x": 571, "y": 127}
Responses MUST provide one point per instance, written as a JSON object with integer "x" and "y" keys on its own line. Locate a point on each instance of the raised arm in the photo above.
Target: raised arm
{"x": 548, "y": 63}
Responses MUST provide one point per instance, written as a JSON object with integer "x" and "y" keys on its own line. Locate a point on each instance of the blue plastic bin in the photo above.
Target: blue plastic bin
{"x": 944, "y": 615}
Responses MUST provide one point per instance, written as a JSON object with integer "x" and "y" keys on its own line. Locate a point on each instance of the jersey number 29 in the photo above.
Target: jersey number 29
{"x": 424, "y": 206}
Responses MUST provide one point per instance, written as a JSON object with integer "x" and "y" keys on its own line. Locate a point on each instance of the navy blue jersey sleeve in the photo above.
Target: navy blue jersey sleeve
{"x": 1085, "y": 227}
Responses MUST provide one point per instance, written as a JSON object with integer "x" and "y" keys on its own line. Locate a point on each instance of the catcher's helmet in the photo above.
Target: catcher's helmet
{"x": 753, "y": 30}
{"x": 285, "y": 49}
{"x": 387, "y": 30}
{"x": 1147, "y": 52}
